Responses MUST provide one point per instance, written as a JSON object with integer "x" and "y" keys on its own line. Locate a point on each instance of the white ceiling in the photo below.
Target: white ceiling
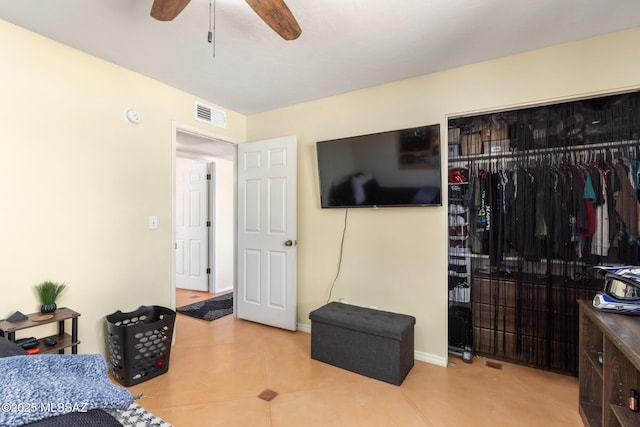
{"x": 345, "y": 44}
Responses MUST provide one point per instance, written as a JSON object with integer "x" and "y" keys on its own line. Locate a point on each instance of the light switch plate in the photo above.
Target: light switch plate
{"x": 153, "y": 222}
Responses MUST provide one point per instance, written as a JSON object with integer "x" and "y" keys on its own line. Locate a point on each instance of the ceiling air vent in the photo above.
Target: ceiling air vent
{"x": 213, "y": 116}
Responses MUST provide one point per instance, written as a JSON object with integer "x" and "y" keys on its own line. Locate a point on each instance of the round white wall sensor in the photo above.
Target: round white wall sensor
{"x": 133, "y": 116}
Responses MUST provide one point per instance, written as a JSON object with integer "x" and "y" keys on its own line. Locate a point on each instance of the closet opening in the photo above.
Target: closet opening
{"x": 537, "y": 197}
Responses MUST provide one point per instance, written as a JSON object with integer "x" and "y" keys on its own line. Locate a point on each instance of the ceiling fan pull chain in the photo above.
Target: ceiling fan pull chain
{"x": 212, "y": 28}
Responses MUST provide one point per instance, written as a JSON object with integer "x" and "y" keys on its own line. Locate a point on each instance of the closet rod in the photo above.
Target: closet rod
{"x": 534, "y": 151}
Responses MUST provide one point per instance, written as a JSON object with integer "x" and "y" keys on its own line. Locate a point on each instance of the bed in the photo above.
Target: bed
{"x": 61, "y": 390}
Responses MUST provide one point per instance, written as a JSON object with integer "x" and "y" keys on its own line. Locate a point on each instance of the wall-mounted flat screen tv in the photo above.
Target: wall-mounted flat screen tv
{"x": 388, "y": 169}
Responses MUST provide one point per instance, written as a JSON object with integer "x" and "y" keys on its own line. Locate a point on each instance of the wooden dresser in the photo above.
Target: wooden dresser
{"x": 529, "y": 320}
{"x": 609, "y": 367}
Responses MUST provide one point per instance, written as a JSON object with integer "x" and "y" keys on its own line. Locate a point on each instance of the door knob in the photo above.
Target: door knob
{"x": 288, "y": 243}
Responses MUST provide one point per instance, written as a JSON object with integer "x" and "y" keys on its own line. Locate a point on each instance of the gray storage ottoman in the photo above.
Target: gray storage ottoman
{"x": 374, "y": 343}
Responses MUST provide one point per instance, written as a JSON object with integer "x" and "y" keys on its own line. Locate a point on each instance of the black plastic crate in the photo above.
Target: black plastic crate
{"x": 140, "y": 343}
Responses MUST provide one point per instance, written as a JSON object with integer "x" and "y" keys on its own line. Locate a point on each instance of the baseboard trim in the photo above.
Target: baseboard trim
{"x": 418, "y": 355}
{"x": 304, "y": 327}
{"x": 431, "y": 358}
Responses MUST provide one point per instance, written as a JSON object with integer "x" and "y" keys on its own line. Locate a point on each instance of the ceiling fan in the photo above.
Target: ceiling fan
{"x": 274, "y": 13}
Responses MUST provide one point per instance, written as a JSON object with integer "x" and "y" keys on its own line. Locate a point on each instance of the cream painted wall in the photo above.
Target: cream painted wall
{"x": 225, "y": 229}
{"x": 396, "y": 259}
{"x": 78, "y": 182}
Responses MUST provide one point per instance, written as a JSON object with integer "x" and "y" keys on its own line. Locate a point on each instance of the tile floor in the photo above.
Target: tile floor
{"x": 218, "y": 369}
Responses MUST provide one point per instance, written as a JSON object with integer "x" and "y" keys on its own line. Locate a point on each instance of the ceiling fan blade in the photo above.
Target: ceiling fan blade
{"x": 277, "y": 15}
{"x": 166, "y": 10}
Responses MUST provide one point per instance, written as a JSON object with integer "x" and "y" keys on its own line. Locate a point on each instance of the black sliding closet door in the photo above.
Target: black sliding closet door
{"x": 549, "y": 193}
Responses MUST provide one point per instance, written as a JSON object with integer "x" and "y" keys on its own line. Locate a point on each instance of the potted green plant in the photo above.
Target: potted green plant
{"x": 48, "y": 292}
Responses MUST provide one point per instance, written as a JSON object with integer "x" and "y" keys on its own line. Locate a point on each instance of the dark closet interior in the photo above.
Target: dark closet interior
{"x": 537, "y": 197}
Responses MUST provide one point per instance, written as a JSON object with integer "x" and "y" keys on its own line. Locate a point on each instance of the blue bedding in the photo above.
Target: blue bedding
{"x": 41, "y": 386}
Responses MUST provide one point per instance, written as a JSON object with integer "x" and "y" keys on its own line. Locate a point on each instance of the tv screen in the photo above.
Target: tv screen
{"x": 395, "y": 168}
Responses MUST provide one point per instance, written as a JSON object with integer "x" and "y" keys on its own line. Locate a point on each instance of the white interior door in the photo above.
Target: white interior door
{"x": 191, "y": 225}
{"x": 267, "y": 222}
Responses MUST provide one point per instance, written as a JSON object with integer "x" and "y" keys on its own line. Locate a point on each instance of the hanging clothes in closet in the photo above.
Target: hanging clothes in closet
{"x": 580, "y": 206}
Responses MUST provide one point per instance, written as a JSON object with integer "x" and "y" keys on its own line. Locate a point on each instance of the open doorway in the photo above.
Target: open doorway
{"x": 219, "y": 157}
{"x": 266, "y": 206}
